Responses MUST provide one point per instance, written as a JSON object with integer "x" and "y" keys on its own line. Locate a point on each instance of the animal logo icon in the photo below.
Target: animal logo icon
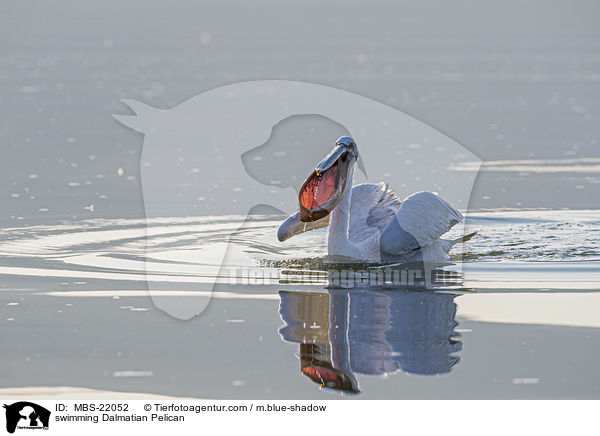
{"x": 206, "y": 156}
{"x": 26, "y": 415}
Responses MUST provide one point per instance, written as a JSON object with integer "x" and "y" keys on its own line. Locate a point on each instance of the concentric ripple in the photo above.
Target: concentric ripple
{"x": 182, "y": 250}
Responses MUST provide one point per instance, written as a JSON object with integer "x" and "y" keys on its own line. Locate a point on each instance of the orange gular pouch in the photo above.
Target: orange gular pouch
{"x": 329, "y": 378}
{"x": 317, "y": 192}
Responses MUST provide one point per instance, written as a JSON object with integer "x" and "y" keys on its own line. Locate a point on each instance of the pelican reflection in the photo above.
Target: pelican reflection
{"x": 344, "y": 332}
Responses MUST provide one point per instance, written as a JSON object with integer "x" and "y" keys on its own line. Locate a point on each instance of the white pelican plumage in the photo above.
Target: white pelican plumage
{"x": 369, "y": 222}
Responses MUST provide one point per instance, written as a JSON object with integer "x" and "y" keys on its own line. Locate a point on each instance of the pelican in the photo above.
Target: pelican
{"x": 368, "y": 222}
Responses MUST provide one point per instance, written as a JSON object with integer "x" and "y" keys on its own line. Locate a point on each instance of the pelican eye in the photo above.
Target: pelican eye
{"x": 351, "y": 146}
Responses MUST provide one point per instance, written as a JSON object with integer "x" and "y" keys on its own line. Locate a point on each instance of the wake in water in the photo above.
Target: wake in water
{"x": 534, "y": 236}
{"x": 182, "y": 249}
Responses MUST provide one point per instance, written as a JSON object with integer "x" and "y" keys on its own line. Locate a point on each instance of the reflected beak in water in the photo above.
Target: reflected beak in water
{"x": 331, "y": 378}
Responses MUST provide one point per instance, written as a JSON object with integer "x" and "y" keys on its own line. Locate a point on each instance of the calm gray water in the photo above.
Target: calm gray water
{"x": 517, "y": 84}
{"x": 505, "y": 80}
{"x": 76, "y": 312}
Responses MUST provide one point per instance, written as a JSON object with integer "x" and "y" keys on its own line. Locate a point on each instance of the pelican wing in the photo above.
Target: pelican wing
{"x": 372, "y": 208}
{"x": 421, "y": 219}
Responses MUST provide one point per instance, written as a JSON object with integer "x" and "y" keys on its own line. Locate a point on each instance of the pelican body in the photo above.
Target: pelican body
{"x": 368, "y": 222}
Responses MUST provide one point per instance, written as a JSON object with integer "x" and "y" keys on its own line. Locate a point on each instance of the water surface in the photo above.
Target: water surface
{"x": 516, "y": 318}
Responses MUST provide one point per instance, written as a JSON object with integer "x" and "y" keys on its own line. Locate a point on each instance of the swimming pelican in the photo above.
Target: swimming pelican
{"x": 369, "y": 222}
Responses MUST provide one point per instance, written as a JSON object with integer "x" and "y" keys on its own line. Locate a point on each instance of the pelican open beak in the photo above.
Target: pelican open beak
{"x": 326, "y": 185}
{"x": 322, "y": 190}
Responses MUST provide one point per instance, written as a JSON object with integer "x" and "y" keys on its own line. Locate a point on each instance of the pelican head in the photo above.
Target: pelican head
{"x": 322, "y": 191}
